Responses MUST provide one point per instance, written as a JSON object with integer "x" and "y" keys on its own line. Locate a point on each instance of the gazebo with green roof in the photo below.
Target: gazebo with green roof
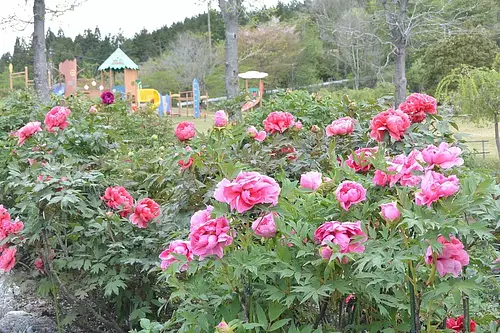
{"x": 118, "y": 61}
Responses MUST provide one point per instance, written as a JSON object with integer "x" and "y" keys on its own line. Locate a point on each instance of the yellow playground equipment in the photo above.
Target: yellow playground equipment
{"x": 149, "y": 96}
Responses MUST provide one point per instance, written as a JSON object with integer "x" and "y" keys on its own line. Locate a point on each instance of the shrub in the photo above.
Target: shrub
{"x": 279, "y": 257}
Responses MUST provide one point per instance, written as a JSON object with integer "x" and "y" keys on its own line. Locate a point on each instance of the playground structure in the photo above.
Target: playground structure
{"x": 118, "y": 61}
{"x": 256, "y": 94}
{"x": 191, "y": 100}
{"x": 68, "y": 84}
{"x": 23, "y": 74}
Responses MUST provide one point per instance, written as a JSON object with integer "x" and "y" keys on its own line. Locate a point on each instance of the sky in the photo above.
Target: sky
{"x": 110, "y": 16}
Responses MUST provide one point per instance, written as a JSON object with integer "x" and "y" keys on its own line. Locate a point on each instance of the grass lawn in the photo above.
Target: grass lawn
{"x": 474, "y": 132}
{"x": 203, "y": 124}
{"x": 468, "y": 130}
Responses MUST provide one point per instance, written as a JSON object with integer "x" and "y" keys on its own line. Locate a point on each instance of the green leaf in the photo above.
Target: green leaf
{"x": 261, "y": 315}
{"x": 113, "y": 287}
{"x": 279, "y": 324}
{"x": 98, "y": 267}
{"x": 251, "y": 326}
{"x": 275, "y": 310}
{"x": 145, "y": 323}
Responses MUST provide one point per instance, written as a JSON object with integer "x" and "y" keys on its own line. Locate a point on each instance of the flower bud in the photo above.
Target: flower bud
{"x": 223, "y": 327}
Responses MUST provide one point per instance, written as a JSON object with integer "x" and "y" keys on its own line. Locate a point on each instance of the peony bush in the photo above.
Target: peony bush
{"x": 273, "y": 224}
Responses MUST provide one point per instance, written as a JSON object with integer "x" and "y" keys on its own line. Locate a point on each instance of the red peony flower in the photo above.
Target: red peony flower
{"x": 359, "y": 160}
{"x": 185, "y": 164}
{"x": 118, "y": 198}
{"x": 144, "y": 211}
{"x": 458, "y": 324}
{"x": 185, "y": 130}
{"x": 57, "y": 118}
{"x": 393, "y": 122}
{"x": 278, "y": 121}
{"x": 417, "y": 106}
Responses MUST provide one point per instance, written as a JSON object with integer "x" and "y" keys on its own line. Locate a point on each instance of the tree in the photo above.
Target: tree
{"x": 349, "y": 27}
{"x": 273, "y": 48}
{"x": 474, "y": 49}
{"x": 40, "y": 55}
{"x": 423, "y": 20}
{"x": 189, "y": 59}
{"x": 230, "y": 10}
{"x": 475, "y": 91}
{"x": 38, "y": 42}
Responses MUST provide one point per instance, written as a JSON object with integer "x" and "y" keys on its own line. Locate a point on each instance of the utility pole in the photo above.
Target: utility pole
{"x": 51, "y": 66}
{"x": 209, "y": 31}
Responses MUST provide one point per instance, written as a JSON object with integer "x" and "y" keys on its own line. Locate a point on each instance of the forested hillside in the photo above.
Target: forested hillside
{"x": 299, "y": 43}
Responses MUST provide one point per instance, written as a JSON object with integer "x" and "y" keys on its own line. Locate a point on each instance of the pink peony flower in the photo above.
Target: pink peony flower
{"x": 145, "y": 211}
{"x": 107, "y": 97}
{"x": 298, "y": 125}
{"x": 359, "y": 161}
{"x": 176, "y": 247}
{"x": 246, "y": 190}
{"x": 417, "y": 106}
{"x": 434, "y": 186}
{"x": 265, "y": 226}
{"x": 311, "y": 180}
{"x": 457, "y": 324}
{"x": 27, "y": 131}
{"x": 390, "y": 211}
{"x": 57, "y": 117}
{"x": 380, "y": 178}
{"x": 393, "y": 122}
{"x": 451, "y": 257}
{"x": 349, "y": 193}
{"x": 12, "y": 227}
{"x": 402, "y": 168}
{"x": 278, "y": 121}
{"x": 348, "y": 236}
{"x": 210, "y": 238}
{"x": 443, "y": 156}
{"x": 257, "y": 135}
{"x": 200, "y": 217}
{"x": 8, "y": 259}
{"x": 340, "y": 126}
{"x": 185, "y": 130}
{"x": 118, "y": 198}
{"x": 220, "y": 118}
{"x": 4, "y": 215}
{"x": 93, "y": 109}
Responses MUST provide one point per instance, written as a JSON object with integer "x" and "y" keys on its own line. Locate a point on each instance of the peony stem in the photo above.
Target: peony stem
{"x": 432, "y": 275}
{"x": 413, "y": 305}
{"x": 321, "y": 314}
{"x": 465, "y": 300}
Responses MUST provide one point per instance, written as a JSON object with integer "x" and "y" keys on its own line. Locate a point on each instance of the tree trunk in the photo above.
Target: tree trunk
{"x": 497, "y": 134}
{"x": 400, "y": 74}
{"x": 40, "y": 58}
{"x": 229, "y": 10}
{"x": 397, "y": 19}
